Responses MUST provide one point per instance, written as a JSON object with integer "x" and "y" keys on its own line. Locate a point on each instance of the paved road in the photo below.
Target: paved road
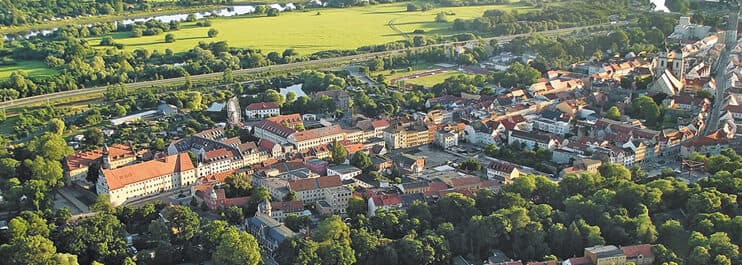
{"x": 721, "y": 77}
{"x": 352, "y": 58}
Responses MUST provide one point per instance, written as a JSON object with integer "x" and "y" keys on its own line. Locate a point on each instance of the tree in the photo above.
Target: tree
{"x": 339, "y": 153}
{"x": 100, "y": 237}
{"x": 333, "y": 236}
{"x": 49, "y": 171}
{"x": 29, "y": 250}
{"x": 361, "y": 160}
{"x": 56, "y": 126}
{"x": 454, "y": 208}
{"x": 102, "y": 204}
{"x": 183, "y": 222}
{"x": 50, "y": 146}
{"x": 441, "y": 17}
{"x": 613, "y": 113}
{"x": 357, "y": 206}
{"x": 611, "y": 170}
{"x": 237, "y": 248}
{"x": 169, "y": 38}
{"x": 645, "y": 108}
{"x": 273, "y": 12}
{"x": 471, "y": 165}
{"x": 213, "y": 33}
{"x": 227, "y": 77}
{"x": 298, "y": 251}
{"x": 93, "y": 137}
{"x": 297, "y": 223}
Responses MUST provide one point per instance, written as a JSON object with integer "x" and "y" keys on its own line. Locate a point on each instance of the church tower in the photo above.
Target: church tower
{"x": 106, "y": 158}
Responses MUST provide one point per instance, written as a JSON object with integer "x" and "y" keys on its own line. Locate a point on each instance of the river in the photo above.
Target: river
{"x": 224, "y": 12}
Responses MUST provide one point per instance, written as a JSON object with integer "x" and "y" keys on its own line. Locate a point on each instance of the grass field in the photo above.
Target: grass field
{"x": 34, "y": 68}
{"x": 313, "y": 31}
{"x": 429, "y": 81}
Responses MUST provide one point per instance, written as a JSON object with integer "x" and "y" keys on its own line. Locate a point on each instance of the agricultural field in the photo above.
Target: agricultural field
{"x": 315, "y": 30}
{"x": 32, "y": 68}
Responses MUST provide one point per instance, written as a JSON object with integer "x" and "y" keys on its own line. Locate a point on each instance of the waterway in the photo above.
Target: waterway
{"x": 237, "y": 10}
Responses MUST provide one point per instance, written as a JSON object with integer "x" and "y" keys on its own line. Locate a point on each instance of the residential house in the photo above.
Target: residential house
{"x": 503, "y": 171}
{"x": 409, "y": 164}
{"x": 280, "y": 210}
{"x": 532, "y": 140}
{"x": 446, "y": 139}
{"x": 383, "y": 201}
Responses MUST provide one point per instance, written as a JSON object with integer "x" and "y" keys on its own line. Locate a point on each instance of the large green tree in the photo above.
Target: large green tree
{"x": 237, "y": 248}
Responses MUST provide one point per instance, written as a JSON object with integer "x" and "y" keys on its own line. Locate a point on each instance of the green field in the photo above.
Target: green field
{"x": 312, "y": 31}
{"x": 34, "y": 68}
{"x": 429, "y": 81}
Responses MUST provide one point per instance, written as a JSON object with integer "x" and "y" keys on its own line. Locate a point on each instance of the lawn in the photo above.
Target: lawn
{"x": 35, "y": 68}
{"x": 429, "y": 81}
{"x": 312, "y": 31}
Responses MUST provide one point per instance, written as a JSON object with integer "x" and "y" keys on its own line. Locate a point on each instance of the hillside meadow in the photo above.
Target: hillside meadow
{"x": 312, "y": 31}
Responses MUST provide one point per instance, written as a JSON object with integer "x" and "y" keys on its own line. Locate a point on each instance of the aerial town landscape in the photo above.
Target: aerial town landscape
{"x": 340, "y": 132}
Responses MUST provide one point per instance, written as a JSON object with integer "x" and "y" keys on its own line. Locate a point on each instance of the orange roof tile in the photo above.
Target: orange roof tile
{"x": 120, "y": 177}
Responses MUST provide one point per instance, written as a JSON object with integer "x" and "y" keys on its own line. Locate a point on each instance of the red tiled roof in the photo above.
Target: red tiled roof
{"x": 84, "y": 159}
{"x": 636, "y": 250}
{"x": 218, "y": 154}
{"x": 291, "y": 119}
{"x": 437, "y": 186}
{"x": 387, "y": 199}
{"x": 580, "y": 261}
{"x": 266, "y": 144}
{"x": 465, "y": 181}
{"x": 317, "y": 133}
{"x": 275, "y": 128}
{"x": 262, "y": 106}
{"x": 120, "y": 177}
{"x": 289, "y": 206}
{"x": 501, "y": 166}
{"x": 380, "y": 123}
{"x": 315, "y": 183}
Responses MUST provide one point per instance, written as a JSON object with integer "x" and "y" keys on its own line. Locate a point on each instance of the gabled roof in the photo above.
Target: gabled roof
{"x": 275, "y": 128}
{"x": 465, "y": 181}
{"x": 84, "y": 159}
{"x": 501, "y": 166}
{"x": 120, "y": 177}
{"x": 387, "y": 199}
{"x": 315, "y": 183}
{"x": 634, "y": 251}
{"x": 262, "y": 106}
{"x": 317, "y": 133}
{"x": 289, "y": 206}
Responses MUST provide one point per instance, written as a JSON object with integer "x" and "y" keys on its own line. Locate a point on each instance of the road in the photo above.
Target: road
{"x": 721, "y": 77}
{"x": 352, "y": 58}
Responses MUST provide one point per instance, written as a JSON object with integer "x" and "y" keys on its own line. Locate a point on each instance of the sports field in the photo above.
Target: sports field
{"x": 32, "y": 68}
{"x": 312, "y": 31}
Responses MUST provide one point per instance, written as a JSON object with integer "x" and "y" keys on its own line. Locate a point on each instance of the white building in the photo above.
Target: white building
{"x": 345, "y": 172}
{"x": 261, "y": 110}
{"x": 532, "y": 140}
{"x": 146, "y": 178}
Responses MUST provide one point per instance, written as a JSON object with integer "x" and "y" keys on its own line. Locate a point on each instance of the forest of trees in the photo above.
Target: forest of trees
{"x": 27, "y": 12}
{"x": 533, "y": 219}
